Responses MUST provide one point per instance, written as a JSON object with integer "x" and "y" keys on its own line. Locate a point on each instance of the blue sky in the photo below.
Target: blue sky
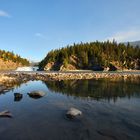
{"x": 31, "y": 28}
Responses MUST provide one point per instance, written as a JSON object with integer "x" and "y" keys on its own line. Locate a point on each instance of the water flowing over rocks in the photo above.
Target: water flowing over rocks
{"x": 25, "y": 69}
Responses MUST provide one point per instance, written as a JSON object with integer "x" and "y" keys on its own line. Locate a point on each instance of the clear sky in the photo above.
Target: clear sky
{"x": 31, "y": 28}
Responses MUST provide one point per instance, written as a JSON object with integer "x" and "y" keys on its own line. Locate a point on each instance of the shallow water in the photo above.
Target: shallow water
{"x": 111, "y": 111}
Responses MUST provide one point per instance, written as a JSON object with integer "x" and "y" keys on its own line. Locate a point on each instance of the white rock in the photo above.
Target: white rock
{"x": 73, "y": 112}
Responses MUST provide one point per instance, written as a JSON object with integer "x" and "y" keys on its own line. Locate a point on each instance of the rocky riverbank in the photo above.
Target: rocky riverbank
{"x": 10, "y": 79}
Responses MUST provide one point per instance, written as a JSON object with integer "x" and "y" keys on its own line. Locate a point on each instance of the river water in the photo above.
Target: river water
{"x": 110, "y": 111}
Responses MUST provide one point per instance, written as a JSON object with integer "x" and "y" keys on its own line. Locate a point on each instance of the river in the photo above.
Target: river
{"x": 110, "y": 111}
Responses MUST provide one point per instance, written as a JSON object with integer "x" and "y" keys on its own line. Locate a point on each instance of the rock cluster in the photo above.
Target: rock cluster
{"x": 45, "y": 76}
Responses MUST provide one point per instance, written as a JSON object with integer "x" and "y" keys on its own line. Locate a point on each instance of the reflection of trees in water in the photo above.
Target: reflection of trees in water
{"x": 10, "y": 86}
{"x": 97, "y": 89}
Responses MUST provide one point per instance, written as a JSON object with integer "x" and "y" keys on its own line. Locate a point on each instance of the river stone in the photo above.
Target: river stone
{"x": 5, "y": 113}
{"x": 73, "y": 112}
{"x": 36, "y": 94}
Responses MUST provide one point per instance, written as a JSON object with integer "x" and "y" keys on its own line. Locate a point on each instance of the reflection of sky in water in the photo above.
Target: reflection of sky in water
{"x": 38, "y": 119}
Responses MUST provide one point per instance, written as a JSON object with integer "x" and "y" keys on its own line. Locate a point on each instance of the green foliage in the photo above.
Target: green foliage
{"x": 94, "y": 53}
{"x": 7, "y": 56}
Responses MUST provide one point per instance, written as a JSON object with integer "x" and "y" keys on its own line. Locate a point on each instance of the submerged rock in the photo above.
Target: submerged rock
{"x": 36, "y": 94}
{"x": 5, "y": 113}
{"x": 73, "y": 112}
{"x": 18, "y": 96}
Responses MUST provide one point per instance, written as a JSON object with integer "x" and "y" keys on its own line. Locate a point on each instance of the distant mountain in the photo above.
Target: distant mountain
{"x": 134, "y": 43}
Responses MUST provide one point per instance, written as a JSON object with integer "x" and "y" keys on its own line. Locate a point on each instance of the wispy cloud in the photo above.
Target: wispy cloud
{"x": 40, "y": 35}
{"x": 124, "y": 36}
{"x": 4, "y": 14}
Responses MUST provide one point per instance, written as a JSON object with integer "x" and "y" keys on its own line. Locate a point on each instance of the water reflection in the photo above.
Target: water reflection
{"x": 98, "y": 121}
{"x": 17, "y": 97}
{"x": 86, "y": 89}
{"x": 97, "y": 89}
{"x": 6, "y": 87}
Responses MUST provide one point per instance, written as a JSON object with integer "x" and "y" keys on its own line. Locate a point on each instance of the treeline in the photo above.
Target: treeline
{"x": 10, "y": 56}
{"x": 94, "y": 54}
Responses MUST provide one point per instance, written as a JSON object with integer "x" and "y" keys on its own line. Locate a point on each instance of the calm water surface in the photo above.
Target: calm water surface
{"x": 111, "y": 111}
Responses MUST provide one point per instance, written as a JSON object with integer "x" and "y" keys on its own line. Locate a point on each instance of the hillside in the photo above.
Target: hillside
{"x": 93, "y": 56}
{"x": 9, "y": 60}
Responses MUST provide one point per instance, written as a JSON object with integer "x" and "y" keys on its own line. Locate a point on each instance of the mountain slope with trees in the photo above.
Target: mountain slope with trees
{"x": 9, "y": 60}
{"x": 93, "y": 56}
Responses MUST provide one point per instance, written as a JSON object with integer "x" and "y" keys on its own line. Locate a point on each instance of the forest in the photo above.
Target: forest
{"x": 94, "y": 55}
{"x": 10, "y": 56}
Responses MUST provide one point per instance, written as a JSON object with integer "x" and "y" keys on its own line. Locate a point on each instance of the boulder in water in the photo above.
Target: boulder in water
{"x": 73, "y": 112}
{"x": 36, "y": 94}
